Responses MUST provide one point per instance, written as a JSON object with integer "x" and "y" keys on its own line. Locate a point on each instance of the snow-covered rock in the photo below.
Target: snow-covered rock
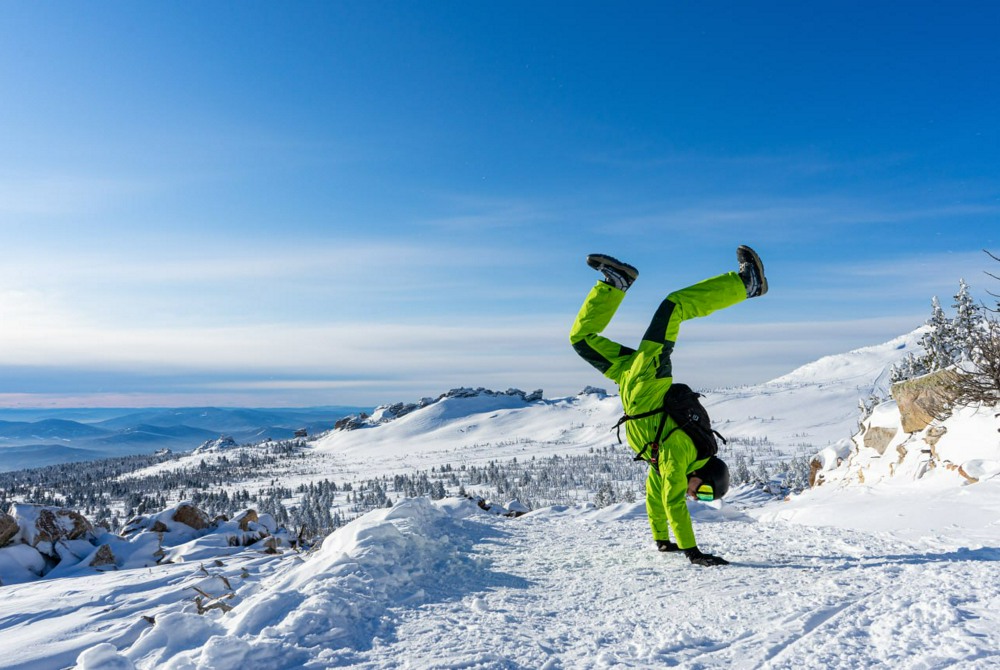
{"x": 43, "y": 526}
{"x": 8, "y": 528}
{"x": 386, "y": 413}
{"x": 221, "y": 443}
{"x": 923, "y": 399}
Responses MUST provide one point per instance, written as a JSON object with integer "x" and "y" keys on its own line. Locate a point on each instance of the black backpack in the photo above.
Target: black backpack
{"x": 681, "y": 404}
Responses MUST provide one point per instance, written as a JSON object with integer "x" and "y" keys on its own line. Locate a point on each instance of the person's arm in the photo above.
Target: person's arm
{"x": 676, "y": 489}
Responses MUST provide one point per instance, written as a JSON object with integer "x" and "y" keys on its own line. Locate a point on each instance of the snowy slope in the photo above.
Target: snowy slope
{"x": 798, "y": 414}
{"x": 815, "y": 405}
{"x": 461, "y": 430}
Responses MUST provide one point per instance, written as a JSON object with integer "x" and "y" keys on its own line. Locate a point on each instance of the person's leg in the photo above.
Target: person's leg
{"x": 601, "y": 304}
{"x": 694, "y": 301}
{"x": 658, "y": 521}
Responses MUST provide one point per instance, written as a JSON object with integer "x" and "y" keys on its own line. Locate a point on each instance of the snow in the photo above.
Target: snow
{"x": 449, "y": 586}
{"x": 887, "y": 564}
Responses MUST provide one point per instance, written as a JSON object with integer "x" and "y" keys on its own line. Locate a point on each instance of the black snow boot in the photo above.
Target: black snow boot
{"x": 666, "y": 545}
{"x": 751, "y": 271}
{"x": 617, "y": 274}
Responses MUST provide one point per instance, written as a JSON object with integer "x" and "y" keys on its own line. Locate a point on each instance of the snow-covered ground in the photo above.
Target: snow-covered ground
{"x": 895, "y": 572}
{"x": 446, "y": 585}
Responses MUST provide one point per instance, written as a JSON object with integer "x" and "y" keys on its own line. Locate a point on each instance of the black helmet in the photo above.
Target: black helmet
{"x": 714, "y": 476}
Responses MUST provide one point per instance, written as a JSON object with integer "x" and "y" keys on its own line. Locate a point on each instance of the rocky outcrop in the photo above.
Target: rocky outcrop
{"x": 43, "y": 539}
{"x": 878, "y": 438}
{"x": 221, "y": 443}
{"x": 387, "y": 413}
{"x": 923, "y": 399}
{"x": 8, "y": 528}
{"x": 191, "y": 516}
{"x": 44, "y": 524}
{"x": 244, "y": 519}
{"x": 58, "y": 524}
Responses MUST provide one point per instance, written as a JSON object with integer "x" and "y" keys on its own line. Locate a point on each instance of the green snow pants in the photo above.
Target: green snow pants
{"x": 643, "y": 376}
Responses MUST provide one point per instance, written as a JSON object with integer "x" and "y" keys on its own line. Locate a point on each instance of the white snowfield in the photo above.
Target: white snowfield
{"x": 446, "y": 585}
{"x": 898, "y": 572}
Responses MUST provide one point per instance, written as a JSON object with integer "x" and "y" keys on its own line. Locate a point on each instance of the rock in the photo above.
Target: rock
{"x": 815, "y": 465}
{"x": 878, "y": 438}
{"x": 901, "y": 450}
{"x": 8, "y": 528}
{"x": 221, "y": 443}
{"x": 352, "y": 422}
{"x": 923, "y": 399}
{"x": 41, "y": 523}
{"x": 104, "y": 556}
{"x": 934, "y": 435}
{"x": 516, "y": 508}
{"x": 961, "y": 471}
{"x": 246, "y": 518}
{"x": 134, "y": 525}
{"x": 191, "y": 516}
{"x": 159, "y": 527}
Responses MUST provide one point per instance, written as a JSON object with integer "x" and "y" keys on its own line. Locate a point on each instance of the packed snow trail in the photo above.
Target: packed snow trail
{"x": 445, "y": 585}
{"x": 587, "y": 590}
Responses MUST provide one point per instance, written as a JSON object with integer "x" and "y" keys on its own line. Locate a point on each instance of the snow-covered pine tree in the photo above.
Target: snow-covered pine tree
{"x": 967, "y": 323}
{"x": 939, "y": 343}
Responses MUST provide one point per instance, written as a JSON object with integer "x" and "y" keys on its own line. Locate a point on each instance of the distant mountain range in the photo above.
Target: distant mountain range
{"x": 33, "y": 438}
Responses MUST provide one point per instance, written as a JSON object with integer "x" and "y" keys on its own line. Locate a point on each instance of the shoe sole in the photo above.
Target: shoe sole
{"x": 597, "y": 260}
{"x": 755, "y": 259}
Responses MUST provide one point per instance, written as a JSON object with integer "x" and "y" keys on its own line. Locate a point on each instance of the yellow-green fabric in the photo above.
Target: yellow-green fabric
{"x": 643, "y": 375}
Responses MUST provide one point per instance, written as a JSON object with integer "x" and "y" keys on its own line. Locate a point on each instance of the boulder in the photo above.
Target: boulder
{"x": 191, "y": 516}
{"x": 815, "y": 466}
{"x": 134, "y": 525}
{"x": 244, "y": 519}
{"x": 878, "y": 438}
{"x": 103, "y": 557}
{"x": 923, "y": 399}
{"x": 8, "y": 528}
{"x": 40, "y": 523}
{"x": 58, "y": 524}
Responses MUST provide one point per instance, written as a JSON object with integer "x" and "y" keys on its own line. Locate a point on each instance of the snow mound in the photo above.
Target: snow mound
{"x": 335, "y": 601}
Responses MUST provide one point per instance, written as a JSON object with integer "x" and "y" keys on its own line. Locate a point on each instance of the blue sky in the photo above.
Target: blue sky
{"x": 362, "y": 202}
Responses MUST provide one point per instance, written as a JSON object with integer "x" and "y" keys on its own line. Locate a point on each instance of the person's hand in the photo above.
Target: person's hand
{"x": 698, "y": 558}
{"x": 693, "y": 484}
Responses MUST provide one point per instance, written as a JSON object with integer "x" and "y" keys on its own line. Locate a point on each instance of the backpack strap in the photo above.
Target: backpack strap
{"x": 654, "y": 446}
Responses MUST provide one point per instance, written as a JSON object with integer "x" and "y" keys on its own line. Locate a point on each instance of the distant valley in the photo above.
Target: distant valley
{"x": 35, "y": 438}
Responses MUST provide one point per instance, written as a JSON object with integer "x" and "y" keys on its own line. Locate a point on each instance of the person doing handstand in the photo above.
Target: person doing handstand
{"x": 643, "y": 377}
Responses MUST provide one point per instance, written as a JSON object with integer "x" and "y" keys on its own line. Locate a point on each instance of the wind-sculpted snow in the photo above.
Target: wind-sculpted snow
{"x": 409, "y": 554}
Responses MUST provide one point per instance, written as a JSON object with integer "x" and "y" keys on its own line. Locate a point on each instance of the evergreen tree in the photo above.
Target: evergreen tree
{"x": 967, "y": 323}
{"x": 938, "y": 342}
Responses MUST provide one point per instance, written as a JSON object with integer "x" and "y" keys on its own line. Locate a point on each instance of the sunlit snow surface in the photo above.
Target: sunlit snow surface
{"x": 446, "y": 585}
{"x": 895, "y": 573}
